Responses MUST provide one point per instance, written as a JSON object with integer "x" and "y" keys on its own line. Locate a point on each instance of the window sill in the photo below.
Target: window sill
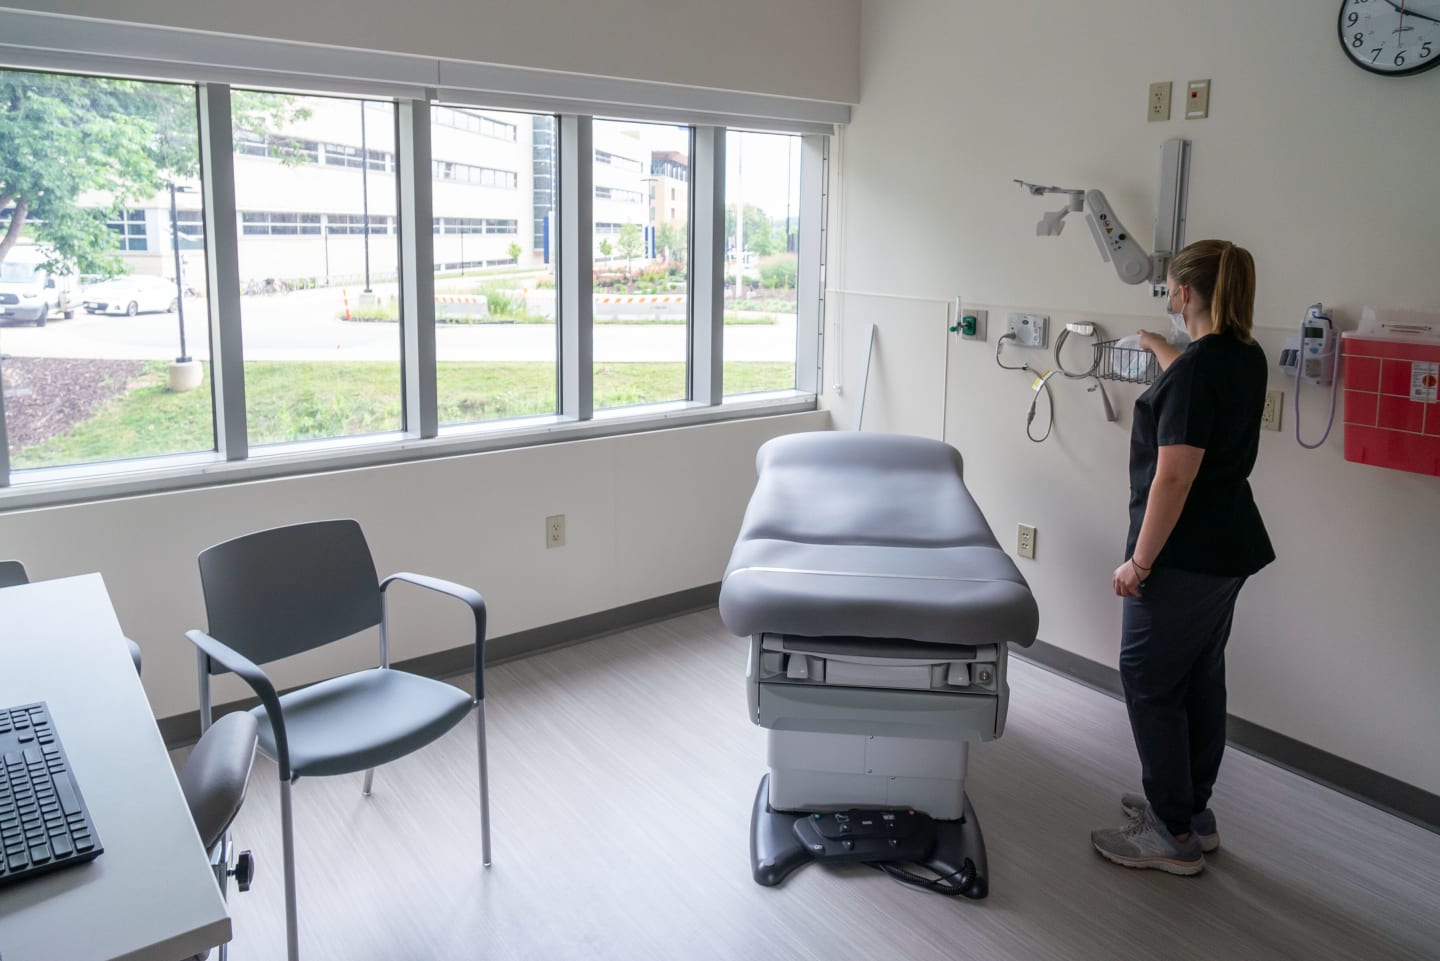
{"x": 48, "y": 486}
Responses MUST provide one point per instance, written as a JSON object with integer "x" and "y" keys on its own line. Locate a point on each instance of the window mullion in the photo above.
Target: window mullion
{"x": 575, "y": 277}
{"x": 417, "y": 269}
{"x": 707, "y": 280}
{"x": 222, "y": 255}
{"x": 810, "y": 276}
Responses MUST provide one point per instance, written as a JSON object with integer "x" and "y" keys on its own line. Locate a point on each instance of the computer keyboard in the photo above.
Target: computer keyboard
{"x": 43, "y": 821}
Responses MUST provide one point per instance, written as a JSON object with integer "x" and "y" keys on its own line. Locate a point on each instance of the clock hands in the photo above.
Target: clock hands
{"x": 1401, "y": 7}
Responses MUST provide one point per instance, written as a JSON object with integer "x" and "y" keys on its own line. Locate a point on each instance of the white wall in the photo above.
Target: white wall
{"x": 646, "y": 515}
{"x": 794, "y": 48}
{"x": 1326, "y": 173}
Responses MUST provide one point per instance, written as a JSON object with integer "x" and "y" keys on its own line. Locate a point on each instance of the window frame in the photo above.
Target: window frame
{"x": 420, "y": 436}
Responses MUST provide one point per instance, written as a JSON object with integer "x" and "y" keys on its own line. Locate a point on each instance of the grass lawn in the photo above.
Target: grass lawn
{"x": 289, "y": 401}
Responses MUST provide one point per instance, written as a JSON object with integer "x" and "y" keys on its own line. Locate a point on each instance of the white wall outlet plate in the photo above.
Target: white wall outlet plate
{"x": 555, "y": 531}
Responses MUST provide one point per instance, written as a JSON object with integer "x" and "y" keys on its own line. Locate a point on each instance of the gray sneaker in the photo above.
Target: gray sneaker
{"x": 1202, "y": 824}
{"x": 1145, "y": 843}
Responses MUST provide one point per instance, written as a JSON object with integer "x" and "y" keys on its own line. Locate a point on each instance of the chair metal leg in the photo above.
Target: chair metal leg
{"x": 287, "y": 831}
{"x": 484, "y": 783}
{"x": 369, "y": 779}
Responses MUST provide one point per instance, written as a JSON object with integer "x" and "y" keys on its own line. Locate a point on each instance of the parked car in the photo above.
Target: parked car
{"x": 28, "y": 291}
{"x": 131, "y": 295}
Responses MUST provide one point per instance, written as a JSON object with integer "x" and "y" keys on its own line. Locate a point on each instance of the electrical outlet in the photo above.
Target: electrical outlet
{"x": 555, "y": 531}
{"x": 1197, "y": 99}
{"x": 1159, "y": 101}
{"x": 1274, "y": 406}
{"x": 1025, "y": 541}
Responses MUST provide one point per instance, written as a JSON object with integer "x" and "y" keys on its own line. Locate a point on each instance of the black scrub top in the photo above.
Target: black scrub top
{"x": 1212, "y": 397}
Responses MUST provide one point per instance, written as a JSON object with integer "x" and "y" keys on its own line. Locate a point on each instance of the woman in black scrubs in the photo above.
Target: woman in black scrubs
{"x": 1195, "y": 536}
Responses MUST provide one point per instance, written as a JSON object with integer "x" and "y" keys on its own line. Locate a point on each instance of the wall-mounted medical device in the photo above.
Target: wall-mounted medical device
{"x": 1117, "y": 244}
{"x": 1311, "y": 357}
{"x": 1392, "y": 390}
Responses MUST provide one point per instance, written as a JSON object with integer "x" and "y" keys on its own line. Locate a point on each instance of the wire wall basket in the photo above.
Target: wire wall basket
{"x": 1130, "y": 365}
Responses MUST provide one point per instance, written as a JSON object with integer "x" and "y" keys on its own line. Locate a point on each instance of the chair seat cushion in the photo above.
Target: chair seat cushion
{"x": 362, "y": 720}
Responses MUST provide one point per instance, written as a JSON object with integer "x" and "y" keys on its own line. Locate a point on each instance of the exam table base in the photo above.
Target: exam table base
{"x": 775, "y": 853}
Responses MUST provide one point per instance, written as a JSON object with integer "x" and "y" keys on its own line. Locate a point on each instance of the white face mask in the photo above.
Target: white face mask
{"x": 1179, "y": 333}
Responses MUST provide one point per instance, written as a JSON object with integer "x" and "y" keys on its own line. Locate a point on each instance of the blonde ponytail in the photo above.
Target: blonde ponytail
{"x": 1223, "y": 276}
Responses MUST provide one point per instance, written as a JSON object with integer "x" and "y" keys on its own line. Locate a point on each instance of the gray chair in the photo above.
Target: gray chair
{"x": 214, "y": 780}
{"x": 12, "y": 574}
{"x": 279, "y": 592}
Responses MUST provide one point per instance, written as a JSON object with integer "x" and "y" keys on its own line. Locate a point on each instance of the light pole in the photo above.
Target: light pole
{"x": 184, "y": 357}
{"x": 185, "y": 373}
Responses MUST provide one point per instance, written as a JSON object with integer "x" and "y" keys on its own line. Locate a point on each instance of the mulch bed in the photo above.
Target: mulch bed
{"x": 47, "y": 396}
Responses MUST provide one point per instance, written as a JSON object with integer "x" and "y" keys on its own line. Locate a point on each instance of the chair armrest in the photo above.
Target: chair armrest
{"x": 460, "y": 592}
{"x": 250, "y": 673}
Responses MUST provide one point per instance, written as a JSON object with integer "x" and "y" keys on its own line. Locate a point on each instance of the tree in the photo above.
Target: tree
{"x": 673, "y": 238}
{"x": 605, "y": 248}
{"x": 759, "y": 235}
{"x": 74, "y": 150}
{"x": 515, "y": 250}
{"x": 630, "y": 243}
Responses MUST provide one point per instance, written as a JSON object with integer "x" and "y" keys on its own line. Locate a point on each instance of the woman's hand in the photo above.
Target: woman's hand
{"x": 1149, "y": 340}
{"x": 1164, "y": 351}
{"x": 1126, "y": 580}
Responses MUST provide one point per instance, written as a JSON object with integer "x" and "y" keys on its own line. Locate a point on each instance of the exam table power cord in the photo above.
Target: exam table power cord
{"x": 949, "y": 885}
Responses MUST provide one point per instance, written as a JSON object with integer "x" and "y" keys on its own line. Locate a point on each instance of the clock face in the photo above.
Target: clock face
{"x": 1392, "y": 37}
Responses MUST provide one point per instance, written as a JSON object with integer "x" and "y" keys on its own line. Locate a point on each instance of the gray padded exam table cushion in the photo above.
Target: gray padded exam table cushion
{"x": 871, "y": 535}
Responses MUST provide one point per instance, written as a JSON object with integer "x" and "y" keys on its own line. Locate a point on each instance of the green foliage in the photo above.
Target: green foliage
{"x": 761, "y": 237}
{"x": 779, "y": 271}
{"x": 514, "y": 250}
{"x": 290, "y": 401}
{"x": 630, "y": 243}
{"x": 107, "y": 143}
{"x": 675, "y": 239}
{"x": 606, "y": 249}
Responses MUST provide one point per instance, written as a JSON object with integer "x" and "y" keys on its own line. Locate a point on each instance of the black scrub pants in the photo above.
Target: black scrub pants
{"x": 1172, "y": 666}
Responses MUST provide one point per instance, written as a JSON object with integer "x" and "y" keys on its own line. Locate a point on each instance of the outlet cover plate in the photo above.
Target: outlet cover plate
{"x": 1159, "y": 107}
{"x": 555, "y": 531}
{"x": 1274, "y": 407}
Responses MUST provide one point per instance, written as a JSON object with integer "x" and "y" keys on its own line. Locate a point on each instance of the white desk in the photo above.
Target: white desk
{"x": 151, "y": 896}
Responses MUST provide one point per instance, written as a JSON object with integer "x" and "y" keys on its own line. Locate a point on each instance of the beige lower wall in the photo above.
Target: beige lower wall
{"x": 646, "y": 515}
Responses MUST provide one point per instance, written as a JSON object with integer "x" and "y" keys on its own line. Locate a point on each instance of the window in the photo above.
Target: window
{"x": 642, "y": 271}
{"x": 86, "y": 366}
{"x": 495, "y": 342}
{"x": 320, "y": 293}
{"x": 762, "y": 179}
{"x": 129, "y": 226}
{"x": 471, "y": 174}
{"x": 315, "y": 221}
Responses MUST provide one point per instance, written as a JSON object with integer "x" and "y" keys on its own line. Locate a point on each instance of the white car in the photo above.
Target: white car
{"x": 131, "y": 295}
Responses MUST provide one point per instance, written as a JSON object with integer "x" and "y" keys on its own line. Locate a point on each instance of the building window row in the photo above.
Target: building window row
{"x": 617, "y": 161}
{"x": 268, "y": 223}
{"x": 470, "y": 174}
{"x": 474, "y": 123}
{"x": 475, "y": 225}
{"x": 281, "y": 147}
{"x": 615, "y": 193}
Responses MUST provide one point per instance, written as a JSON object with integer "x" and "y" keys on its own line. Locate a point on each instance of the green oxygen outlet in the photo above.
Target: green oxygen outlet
{"x": 967, "y": 327}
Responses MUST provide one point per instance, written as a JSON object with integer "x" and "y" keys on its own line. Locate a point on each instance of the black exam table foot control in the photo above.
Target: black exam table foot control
{"x": 782, "y": 842}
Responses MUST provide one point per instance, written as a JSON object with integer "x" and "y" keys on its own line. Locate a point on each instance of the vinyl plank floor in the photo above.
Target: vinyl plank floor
{"x": 622, "y": 774}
